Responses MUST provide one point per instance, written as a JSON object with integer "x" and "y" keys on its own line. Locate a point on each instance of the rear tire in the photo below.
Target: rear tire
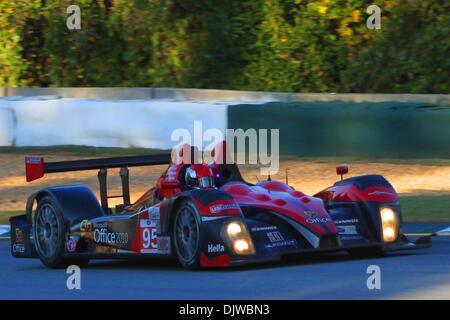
{"x": 186, "y": 235}
{"x": 50, "y": 235}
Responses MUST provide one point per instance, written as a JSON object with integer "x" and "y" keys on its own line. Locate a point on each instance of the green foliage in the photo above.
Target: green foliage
{"x": 273, "y": 45}
{"x": 412, "y": 54}
{"x": 13, "y": 18}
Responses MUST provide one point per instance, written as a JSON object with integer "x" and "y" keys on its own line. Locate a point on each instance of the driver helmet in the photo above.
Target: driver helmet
{"x": 199, "y": 176}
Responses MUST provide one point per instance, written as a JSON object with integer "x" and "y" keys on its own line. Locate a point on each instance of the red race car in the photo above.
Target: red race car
{"x": 205, "y": 215}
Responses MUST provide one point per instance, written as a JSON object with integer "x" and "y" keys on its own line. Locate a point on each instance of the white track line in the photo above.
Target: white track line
{"x": 447, "y": 230}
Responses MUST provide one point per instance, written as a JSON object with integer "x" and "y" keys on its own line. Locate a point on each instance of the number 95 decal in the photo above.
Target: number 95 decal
{"x": 149, "y": 238}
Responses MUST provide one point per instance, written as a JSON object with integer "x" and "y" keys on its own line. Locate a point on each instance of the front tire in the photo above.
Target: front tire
{"x": 50, "y": 235}
{"x": 186, "y": 235}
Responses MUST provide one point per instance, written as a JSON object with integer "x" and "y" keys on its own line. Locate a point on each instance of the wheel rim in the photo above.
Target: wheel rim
{"x": 47, "y": 231}
{"x": 186, "y": 234}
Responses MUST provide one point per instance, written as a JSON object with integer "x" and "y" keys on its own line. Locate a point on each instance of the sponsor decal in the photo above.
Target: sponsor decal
{"x": 144, "y": 223}
{"x": 206, "y": 219}
{"x": 275, "y": 236}
{"x": 348, "y": 230}
{"x": 19, "y": 235}
{"x": 164, "y": 245}
{"x": 348, "y": 221}
{"x": 153, "y": 219}
{"x": 223, "y": 207}
{"x": 285, "y": 243}
{"x": 85, "y": 226}
{"x": 316, "y": 217}
{"x": 71, "y": 245}
{"x": 216, "y": 248}
{"x": 318, "y": 220}
{"x": 102, "y": 235}
{"x": 312, "y": 214}
{"x": 105, "y": 249}
{"x": 172, "y": 173}
{"x": 268, "y": 228}
{"x": 18, "y": 248}
{"x": 33, "y": 160}
{"x": 100, "y": 225}
{"x": 154, "y": 213}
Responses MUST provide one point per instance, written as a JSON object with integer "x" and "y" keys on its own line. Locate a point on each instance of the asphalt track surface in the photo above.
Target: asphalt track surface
{"x": 421, "y": 274}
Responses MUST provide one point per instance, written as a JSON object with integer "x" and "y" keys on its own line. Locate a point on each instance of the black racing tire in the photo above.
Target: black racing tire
{"x": 50, "y": 235}
{"x": 366, "y": 252}
{"x": 186, "y": 235}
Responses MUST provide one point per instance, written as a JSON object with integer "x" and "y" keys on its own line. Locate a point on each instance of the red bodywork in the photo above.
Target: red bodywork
{"x": 279, "y": 197}
{"x": 352, "y": 193}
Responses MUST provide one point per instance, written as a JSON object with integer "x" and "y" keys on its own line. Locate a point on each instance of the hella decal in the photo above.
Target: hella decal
{"x": 215, "y": 248}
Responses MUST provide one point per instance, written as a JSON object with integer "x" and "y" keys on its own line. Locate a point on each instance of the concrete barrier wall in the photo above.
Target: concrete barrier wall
{"x": 383, "y": 130}
{"x": 84, "y": 93}
{"x": 103, "y": 123}
{"x": 231, "y": 96}
{"x": 413, "y": 126}
{"x": 7, "y": 127}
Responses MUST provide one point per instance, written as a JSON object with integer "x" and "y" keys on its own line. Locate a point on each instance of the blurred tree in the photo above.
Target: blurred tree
{"x": 272, "y": 45}
{"x": 13, "y": 18}
{"x": 411, "y": 53}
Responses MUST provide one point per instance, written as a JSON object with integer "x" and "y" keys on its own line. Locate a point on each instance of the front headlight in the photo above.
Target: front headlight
{"x": 241, "y": 245}
{"x": 234, "y": 229}
{"x": 389, "y": 223}
{"x": 240, "y": 238}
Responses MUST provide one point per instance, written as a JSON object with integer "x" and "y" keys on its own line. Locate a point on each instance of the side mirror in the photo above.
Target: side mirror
{"x": 341, "y": 170}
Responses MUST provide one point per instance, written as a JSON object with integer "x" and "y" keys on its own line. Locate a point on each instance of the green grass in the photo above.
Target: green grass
{"x": 347, "y": 160}
{"x": 415, "y": 209}
{"x": 426, "y": 208}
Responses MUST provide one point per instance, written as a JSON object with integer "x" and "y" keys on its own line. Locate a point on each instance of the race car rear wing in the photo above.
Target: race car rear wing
{"x": 35, "y": 168}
